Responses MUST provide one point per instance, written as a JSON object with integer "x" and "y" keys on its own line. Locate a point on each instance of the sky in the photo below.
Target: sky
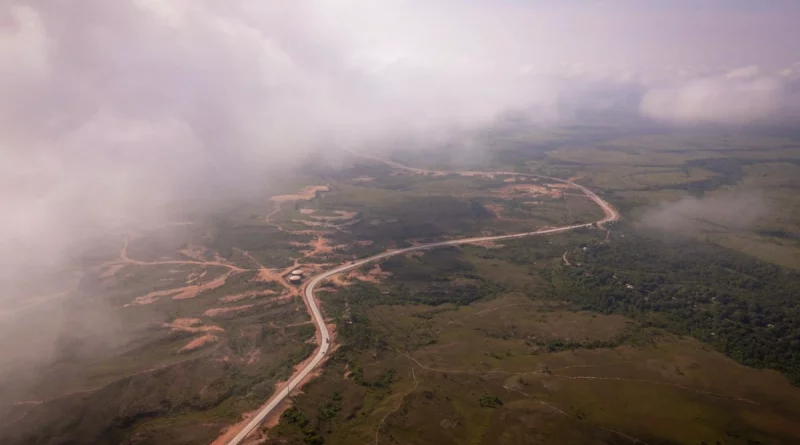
{"x": 112, "y": 110}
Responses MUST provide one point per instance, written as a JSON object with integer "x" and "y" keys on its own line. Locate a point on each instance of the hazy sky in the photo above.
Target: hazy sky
{"x": 110, "y": 108}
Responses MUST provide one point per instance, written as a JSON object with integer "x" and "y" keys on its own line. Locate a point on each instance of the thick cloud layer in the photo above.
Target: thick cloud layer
{"x": 110, "y": 110}
{"x": 741, "y": 96}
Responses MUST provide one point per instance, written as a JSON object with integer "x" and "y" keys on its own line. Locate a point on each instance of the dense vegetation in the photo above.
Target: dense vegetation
{"x": 424, "y": 218}
{"x": 746, "y": 308}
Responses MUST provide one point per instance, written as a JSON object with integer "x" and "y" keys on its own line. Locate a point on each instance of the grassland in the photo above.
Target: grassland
{"x": 516, "y": 366}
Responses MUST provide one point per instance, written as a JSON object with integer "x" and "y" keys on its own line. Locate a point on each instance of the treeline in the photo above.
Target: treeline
{"x": 434, "y": 265}
{"x": 746, "y": 308}
{"x": 419, "y": 217}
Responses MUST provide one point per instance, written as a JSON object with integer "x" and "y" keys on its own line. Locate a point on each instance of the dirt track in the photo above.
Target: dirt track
{"x": 322, "y": 329}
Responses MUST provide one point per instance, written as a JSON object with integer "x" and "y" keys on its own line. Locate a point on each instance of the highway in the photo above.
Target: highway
{"x": 308, "y": 292}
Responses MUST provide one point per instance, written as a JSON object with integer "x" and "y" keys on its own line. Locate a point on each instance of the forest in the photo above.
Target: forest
{"x": 744, "y": 307}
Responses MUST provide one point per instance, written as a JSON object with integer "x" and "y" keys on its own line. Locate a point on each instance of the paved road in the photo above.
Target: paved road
{"x": 308, "y": 292}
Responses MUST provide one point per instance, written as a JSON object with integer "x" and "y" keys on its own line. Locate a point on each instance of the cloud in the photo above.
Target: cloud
{"x": 110, "y": 110}
{"x": 745, "y": 72}
{"x": 732, "y": 210}
{"x": 740, "y": 96}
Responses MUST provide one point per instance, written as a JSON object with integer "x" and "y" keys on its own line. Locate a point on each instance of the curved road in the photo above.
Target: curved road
{"x": 308, "y": 292}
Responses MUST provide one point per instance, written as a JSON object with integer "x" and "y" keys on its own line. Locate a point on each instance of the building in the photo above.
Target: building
{"x": 298, "y": 272}
{"x": 295, "y": 279}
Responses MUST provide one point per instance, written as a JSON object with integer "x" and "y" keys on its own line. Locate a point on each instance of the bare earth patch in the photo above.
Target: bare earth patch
{"x": 496, "y": 210}
{"x": 192, "y": 291}
{"x": 340, "y": 215}
{"x": 277, "y": 276}
{"x": 489, "y": 244}
{"x": 198, "y": 342}
{"x": 194, "y": 252}
{"x": 226, "y": 310}
{"x": 374, "y": 275}
{"x": 195, "y": 276}
{"x": 192, "y": 325}
{"x": 112, "y": 270}
{"x": 153, "y": 296}
{"x": 246, "y": 295}
{"x": 304, "y": 195}
{"x": 253, "y": 356}
{"x": 310, "y": 223}
{"x": 267, "y": 276}
{"x": 320, "y": 245}
{"x": 527, "y": 189}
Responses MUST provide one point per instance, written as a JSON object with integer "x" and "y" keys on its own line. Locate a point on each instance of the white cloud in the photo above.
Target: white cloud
{"x": 161, "y": 92}
{"x": 745, "y": 72}
{"x": 723, "y": 99}
{"x": 24, "y": 49}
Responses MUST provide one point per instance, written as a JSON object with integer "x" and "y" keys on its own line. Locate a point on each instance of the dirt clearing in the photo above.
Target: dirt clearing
{"x": 192, "y": 325}
{"x": 516, "y": 190}
{"x": 306, "y": 194}
{"x": 182, "y": 293}
{"x": 112, "y": 270}
{"x": 198, "y": 342}
{"x": 226, "y": 310}
{"x": 247, "y": 295}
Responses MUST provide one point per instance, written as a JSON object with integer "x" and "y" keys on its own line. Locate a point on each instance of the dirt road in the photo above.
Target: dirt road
{"x": 322, "y": 330}
{"x": 123, "y": 258}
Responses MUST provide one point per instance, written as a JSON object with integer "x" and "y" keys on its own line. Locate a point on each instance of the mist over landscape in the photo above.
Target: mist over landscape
{"x": 733, "y": 210}
{"x": 112, "y": 109}
{"x": 156, "y": 155}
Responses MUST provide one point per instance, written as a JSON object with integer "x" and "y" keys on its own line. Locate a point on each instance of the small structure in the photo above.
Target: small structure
{"x": 298, "y": 272}
{"x": 295, "y": 279}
